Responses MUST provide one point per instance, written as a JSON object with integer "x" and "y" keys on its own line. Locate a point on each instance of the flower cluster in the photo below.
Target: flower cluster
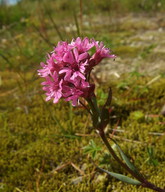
{"x": 68, "y": 68}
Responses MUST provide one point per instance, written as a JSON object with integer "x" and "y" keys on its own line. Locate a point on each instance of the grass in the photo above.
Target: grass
{"x": 42, "y": 144}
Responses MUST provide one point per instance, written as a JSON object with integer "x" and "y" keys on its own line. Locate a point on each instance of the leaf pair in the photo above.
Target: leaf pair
{"x": 129, "y": 164}
{"x": 126, "y": 159}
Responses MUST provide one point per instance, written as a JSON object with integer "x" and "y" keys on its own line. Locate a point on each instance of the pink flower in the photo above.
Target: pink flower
{"x": 101, "y": 53}
{"x": 68, "y": 68}
{"x": 53, "y": 88}
{"x": 83, "y": 45}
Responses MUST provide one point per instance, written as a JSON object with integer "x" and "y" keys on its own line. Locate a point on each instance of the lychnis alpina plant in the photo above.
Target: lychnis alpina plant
{"x": 67, "y": 76}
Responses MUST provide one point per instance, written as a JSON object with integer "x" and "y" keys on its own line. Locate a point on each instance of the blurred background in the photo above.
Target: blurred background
{"x": 42, "y": 144}
{"x": 134, "y": 30}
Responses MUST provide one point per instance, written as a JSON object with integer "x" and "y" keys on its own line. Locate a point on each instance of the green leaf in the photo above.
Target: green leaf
{"x": 109, "y": 99}
{"x": 152, "y": 159}
{"x": 126, "y": 160}
{"x": 122, "y": 177}
{"x": 105, "y": 110}
{"x": 137, "y": 115}
{"x": 95, "y": 110}
{"x": 123, "y": 85}
{"x": 92, "y": 149}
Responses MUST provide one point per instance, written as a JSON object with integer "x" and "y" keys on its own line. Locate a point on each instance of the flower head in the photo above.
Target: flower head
{"x": 68, "y": 68}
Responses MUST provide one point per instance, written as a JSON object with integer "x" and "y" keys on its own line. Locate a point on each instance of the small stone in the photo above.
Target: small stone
{"x": 76, "y": 180}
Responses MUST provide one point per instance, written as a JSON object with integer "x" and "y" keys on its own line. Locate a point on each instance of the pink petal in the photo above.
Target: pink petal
{"x": 68, "y": 57}
{"x": 76, "y": 55}
{"x": 83, "y": 56}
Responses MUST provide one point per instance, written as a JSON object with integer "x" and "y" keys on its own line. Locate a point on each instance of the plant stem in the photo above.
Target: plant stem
{"x": 85, "y": 107}
{"x": 98, "y": 124}
{"x": 149, "y": 185}
{"x": 104, "y": 139}
{"x": 143, "y": 181}
{"x": 81, "y": 14}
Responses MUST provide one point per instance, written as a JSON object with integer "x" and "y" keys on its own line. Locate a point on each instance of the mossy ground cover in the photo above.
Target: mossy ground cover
{"x": 42, "y": 143}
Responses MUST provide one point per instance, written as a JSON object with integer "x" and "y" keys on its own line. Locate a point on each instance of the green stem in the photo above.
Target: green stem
{"x": 95, "y": 111}
{"x": 97, "y": 123}
{"x": 104, "y": 139}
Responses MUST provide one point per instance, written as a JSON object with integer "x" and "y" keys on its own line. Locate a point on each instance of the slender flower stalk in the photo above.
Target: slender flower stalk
{"x": 144, "y": 182}
{"x": 100, "y": 130}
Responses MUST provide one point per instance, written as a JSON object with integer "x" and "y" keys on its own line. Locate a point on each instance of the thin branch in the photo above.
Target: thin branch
{"x": 42, "y": 36}
{"x": 85, "y": 107}
{"x": 53, "y": 22}
{"x": 6, "y": 59}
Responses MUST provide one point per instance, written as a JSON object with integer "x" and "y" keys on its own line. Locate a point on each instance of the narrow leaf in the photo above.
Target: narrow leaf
{"x": 125, "y": 158}
{"x": 109, "y": 99}
{"x": 105, "y": 110}
{"x": 121, "y": 177}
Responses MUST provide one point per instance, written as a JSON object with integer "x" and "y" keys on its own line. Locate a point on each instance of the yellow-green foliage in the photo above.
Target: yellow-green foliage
{"x": 37, "y": 137}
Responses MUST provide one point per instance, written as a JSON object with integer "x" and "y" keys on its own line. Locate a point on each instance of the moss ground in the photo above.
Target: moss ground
{"x": 38, "y": 137}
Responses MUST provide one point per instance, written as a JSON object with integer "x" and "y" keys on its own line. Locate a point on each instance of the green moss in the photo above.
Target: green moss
{"x": 37, "y": 137}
